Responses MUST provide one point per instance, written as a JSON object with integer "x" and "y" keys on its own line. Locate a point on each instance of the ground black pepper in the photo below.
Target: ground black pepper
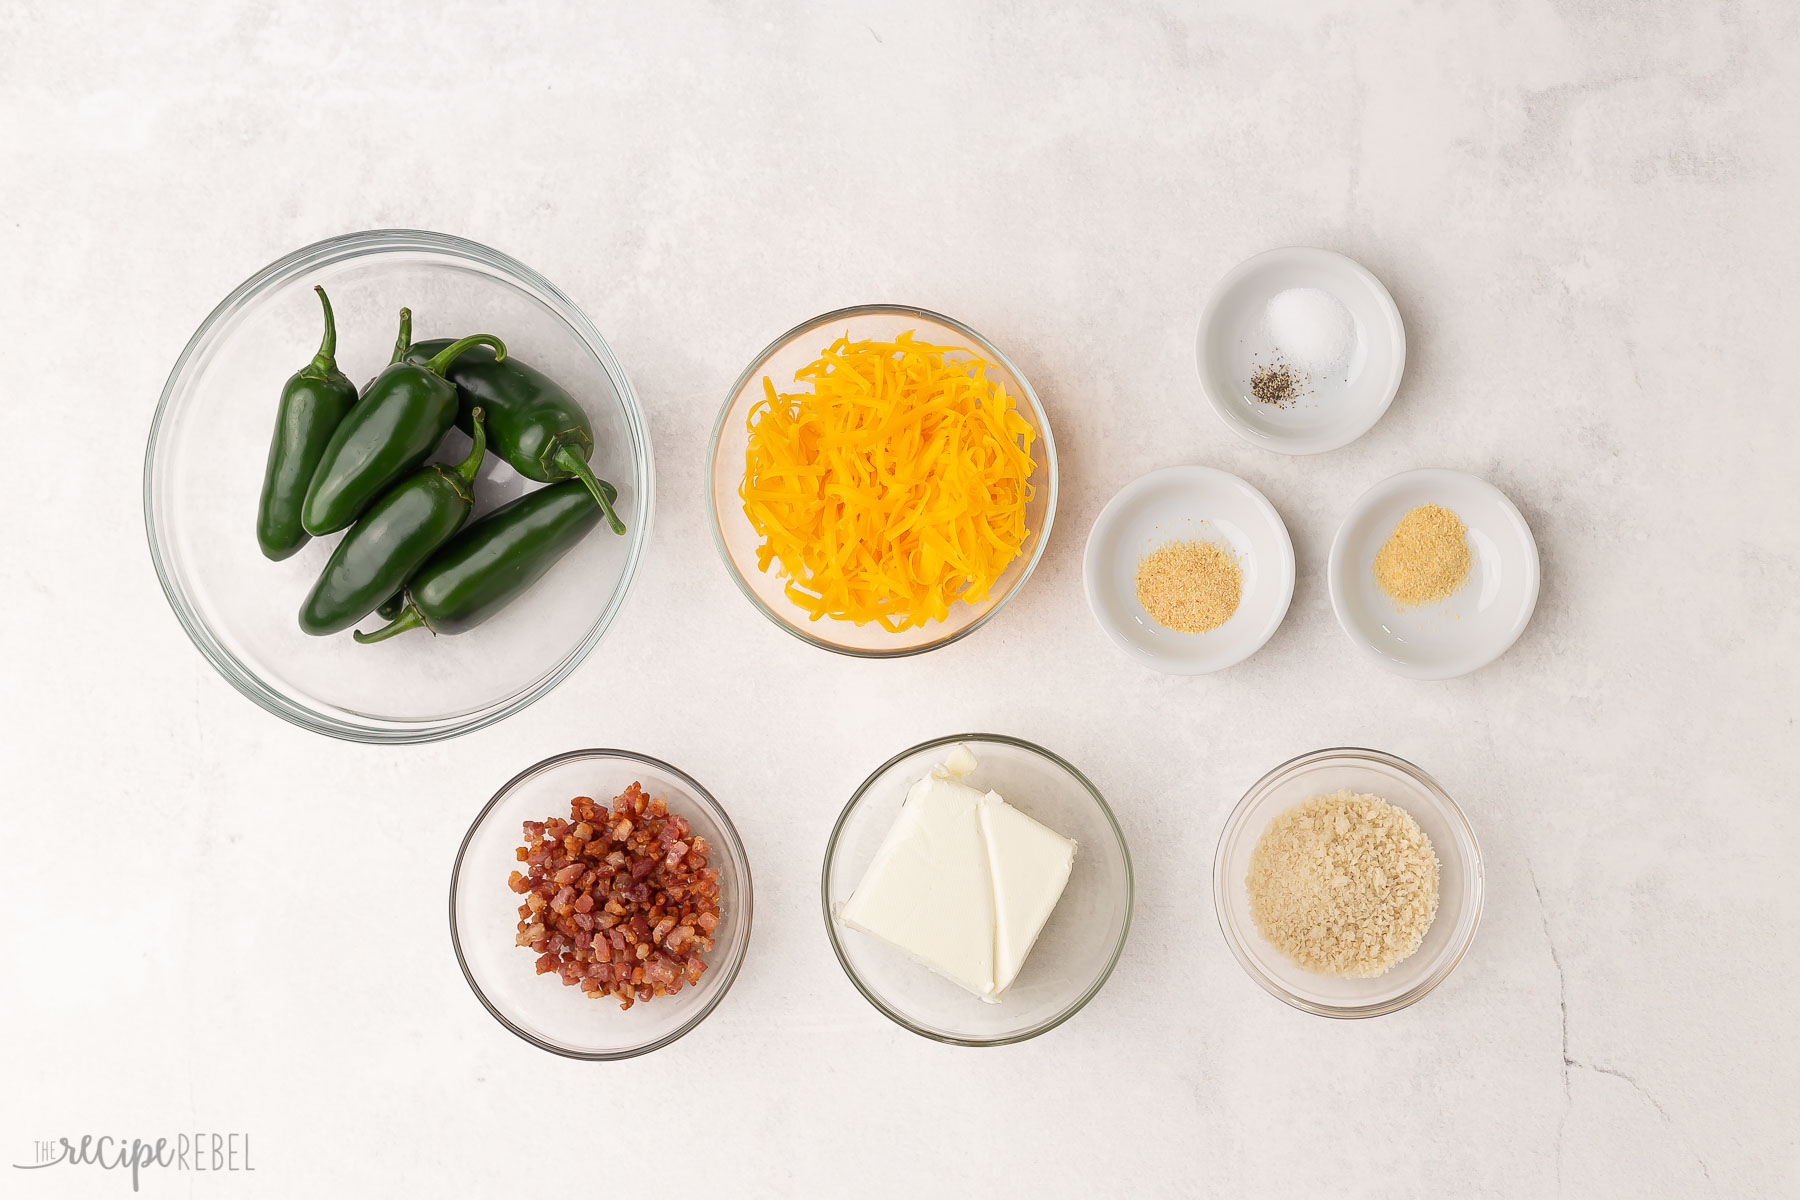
{"x": 1275, "y": 383}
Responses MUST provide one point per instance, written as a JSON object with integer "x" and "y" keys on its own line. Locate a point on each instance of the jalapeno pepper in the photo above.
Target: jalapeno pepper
{"x": 489, "y": 564}
{"x": 535, "y": 425}
{"x": 313, "y": 402}
{"x": 396, "y": 535}
{"x": 390, "y": 608}
{"x": 401, "y": 419}
{"x": 400, "y": 344}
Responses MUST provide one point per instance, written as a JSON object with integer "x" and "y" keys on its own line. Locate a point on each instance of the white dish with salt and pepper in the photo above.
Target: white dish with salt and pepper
{"x": 1340, "y": 378}
{"x": 1181, "y": 504}
{"x": 1472, "y": 626}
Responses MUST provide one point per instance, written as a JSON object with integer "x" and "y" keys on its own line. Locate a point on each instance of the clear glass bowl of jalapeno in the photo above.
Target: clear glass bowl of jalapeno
{"x": 205, "y": 465}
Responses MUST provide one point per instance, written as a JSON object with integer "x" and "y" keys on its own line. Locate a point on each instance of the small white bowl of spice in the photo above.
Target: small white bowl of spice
{"x": 1189, "y": 570}
{"x": 1300, "y": 350}
{"x": 1348, "y": 883}
{"x": 1434, "y": 573}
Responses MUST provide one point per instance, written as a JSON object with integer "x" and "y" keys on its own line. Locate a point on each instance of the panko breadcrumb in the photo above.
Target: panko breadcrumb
{"x": 1344, "y": 884}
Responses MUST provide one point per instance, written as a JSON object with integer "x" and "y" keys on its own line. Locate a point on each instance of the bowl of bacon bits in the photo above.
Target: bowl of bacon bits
{"x": 600, "y": 904}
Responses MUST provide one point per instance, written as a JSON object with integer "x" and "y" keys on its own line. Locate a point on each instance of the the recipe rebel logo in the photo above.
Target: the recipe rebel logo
{"x": 192, "y": 1152}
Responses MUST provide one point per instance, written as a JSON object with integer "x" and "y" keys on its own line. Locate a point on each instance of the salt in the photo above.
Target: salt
{"x": 1311, "y": 327}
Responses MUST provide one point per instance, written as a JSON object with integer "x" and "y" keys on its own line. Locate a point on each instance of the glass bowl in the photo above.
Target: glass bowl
{"x": 737, "y": 540}
{"x": 1079, "y": 945}
{"x": 210, "y": 438}
{"x": 1460, "y": 881}
{"x": 484, "y": 911}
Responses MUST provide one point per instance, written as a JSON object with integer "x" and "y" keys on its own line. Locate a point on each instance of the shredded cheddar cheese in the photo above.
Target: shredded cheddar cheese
{"x": 893, "y": 488}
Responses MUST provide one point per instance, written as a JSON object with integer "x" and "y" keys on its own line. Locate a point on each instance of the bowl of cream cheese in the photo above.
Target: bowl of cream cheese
{"x": 977, "y": 890}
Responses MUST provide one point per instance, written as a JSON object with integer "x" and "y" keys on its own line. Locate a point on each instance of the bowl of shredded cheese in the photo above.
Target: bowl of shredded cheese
{"x": 883, "y": 481}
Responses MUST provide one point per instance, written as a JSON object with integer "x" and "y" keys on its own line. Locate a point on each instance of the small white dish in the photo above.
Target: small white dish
{"x": 1182, "y": 504}
{"x": 1467, "y": 629}
{"x": 1336, "y": 408}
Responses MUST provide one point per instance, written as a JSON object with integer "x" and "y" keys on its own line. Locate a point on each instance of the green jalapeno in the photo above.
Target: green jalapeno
{"x": 533, "y": 423}
{"x": 489, "y": 564}
{"x": 399, "y": 422}
{"x": 314, "y": 401}
{"x": 396, "y": 535}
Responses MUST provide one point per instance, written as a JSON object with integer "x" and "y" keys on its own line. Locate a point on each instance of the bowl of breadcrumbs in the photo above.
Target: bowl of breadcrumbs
{"x": 1348, "y": 883}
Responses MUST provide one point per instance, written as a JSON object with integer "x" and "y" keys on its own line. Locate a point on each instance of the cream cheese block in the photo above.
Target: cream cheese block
{"x": 963, "y": 883}
{"x": 1029, "y": 865}
{"x": 927, "y": 890}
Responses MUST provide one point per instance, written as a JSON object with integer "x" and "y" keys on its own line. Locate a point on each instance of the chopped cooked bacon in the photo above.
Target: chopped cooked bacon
{"x": 619, "y": 901}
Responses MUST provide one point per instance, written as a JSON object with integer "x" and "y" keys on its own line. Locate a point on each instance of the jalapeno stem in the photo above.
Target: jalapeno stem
{"x": 326, "y": 359}
{"x": 449, "y": 354}
{"x": 570, "y": 460}
{"x": 404, "y": 342}
{"x": 409, "y": 618}
{"x": 468, "y": 466}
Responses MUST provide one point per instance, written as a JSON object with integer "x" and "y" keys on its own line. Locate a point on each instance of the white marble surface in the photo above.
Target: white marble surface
{"x": 1586, "y": 213}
